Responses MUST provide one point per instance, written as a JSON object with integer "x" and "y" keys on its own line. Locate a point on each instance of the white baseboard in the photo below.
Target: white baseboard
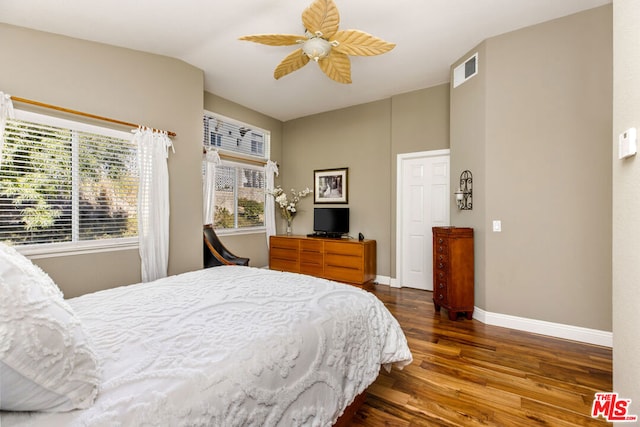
{"x": 558, "y": 330}
{"x": 386, "y": 280}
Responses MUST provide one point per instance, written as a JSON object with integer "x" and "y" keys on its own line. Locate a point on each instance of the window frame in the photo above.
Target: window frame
{"x": 47, "y": 250}
{"x": 244, "y": 230}
{"x": 232, "y": 158}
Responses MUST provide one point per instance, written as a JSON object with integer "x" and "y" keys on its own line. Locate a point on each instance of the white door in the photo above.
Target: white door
{"x": 423, "y": 202}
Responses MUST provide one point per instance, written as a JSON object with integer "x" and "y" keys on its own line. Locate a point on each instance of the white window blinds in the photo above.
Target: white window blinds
{"x": 229, "y": 135}
{"x": 65, "y": 181}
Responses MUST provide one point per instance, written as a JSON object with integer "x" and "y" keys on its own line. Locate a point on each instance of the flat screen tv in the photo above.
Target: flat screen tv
{"x": 330, "y": 222}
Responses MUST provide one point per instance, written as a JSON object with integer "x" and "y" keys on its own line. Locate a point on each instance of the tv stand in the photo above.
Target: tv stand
{"x": 344, "y": 260}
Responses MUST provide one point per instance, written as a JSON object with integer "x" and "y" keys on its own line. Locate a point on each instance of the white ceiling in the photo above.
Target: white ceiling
{"x": 429, "y": 35}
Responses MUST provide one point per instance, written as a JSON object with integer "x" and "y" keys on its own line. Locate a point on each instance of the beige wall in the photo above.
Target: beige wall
{"x": 541, "y": 110}
{"x": 626, "y": 204}
{"x": 367, "y": 139}
{"x": 127, "y": 85}
{"x": 252, "y": 246}
{"x": 357, "y": 138}
{"x": 419, "y": 122}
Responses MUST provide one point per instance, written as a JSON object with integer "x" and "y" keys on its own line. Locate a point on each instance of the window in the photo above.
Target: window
{"x": 234, "y": 137}
{"x": 239, "y": 197}
{"x": 240, "y": 182}
{"x": 66, "y": 185}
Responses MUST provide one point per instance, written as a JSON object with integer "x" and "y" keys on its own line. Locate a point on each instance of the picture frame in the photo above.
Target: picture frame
{"x": 331, "y": 185}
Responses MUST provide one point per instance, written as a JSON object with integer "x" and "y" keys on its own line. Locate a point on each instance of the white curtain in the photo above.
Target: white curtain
{"x": 153, "y": 202}
{"x": 212, "y": 159}
{"x": 6, "y": 112}
{"x": 271, "y": 169}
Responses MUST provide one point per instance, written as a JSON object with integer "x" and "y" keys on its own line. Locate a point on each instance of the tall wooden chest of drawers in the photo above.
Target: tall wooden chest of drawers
{"x": 453, "y": 270}
{"x": 348, "y": 261}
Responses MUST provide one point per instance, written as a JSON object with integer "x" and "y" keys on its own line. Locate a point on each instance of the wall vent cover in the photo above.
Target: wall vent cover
{"x": 466, "y": 70}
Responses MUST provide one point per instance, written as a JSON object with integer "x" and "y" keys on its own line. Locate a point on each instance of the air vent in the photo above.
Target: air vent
{"x": 466, "y": 70}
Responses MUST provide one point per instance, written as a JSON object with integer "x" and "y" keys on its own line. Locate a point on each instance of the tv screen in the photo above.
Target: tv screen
{"x": 331, "y": 221}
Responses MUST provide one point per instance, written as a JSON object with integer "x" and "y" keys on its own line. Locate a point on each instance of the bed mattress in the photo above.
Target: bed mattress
{"x": 230, "y": 346}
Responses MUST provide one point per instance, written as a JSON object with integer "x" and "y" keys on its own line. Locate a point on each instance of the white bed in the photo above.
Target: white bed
{"x": 229, "y": 346}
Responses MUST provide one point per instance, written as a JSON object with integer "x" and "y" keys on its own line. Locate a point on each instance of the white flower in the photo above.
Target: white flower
{"x": 288, "y": 208}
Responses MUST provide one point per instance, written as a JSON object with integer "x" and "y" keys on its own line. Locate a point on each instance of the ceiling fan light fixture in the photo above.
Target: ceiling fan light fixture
{"x": 316, "y": 48}
{"x": 321, "y": 22}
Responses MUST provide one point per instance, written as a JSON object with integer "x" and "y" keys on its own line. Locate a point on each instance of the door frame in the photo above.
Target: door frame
{"x": 397, "y": 283}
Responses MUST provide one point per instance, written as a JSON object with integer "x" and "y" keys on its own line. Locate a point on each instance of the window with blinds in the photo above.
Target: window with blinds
{"x": 240, "y": 180}
{"x": 234, "y": 137}
{"x": 63, "y": 182}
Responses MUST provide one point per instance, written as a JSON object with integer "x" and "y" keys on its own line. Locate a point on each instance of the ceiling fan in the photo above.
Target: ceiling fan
{"x": 323, "y": 43}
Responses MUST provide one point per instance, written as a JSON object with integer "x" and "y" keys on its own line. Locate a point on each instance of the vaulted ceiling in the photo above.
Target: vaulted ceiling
{"x": 429, "y": 36}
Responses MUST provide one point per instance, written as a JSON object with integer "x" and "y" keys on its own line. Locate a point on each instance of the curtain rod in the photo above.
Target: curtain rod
{"x": 80, "y": 113}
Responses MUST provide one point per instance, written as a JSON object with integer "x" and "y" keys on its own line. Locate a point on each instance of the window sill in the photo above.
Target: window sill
{"x": 50, "y": 250}
{"x": 239, "y": 231}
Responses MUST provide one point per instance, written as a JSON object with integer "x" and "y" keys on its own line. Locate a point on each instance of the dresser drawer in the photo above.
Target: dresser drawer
{"x": 311, "y": 245}
{"x": 342, "y": 260}
{"x": 442, "y": 249}
{"x": 284, "y": 254}
{"x": 281, "y": 264}
{"x": 343, "y": 248}
{"x": 283, "y": 243}
{"x": 440, "y": 298}
{"x": 343, "y": 274}
{"x": 440, "y": 276}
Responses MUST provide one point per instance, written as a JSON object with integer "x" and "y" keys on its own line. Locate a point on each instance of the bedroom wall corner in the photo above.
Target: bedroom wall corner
{"x": 545, "y": 171}
{"x": 468, "y": 144}
{"x": 128, "y": 85}
{"x": 626, "y": 204}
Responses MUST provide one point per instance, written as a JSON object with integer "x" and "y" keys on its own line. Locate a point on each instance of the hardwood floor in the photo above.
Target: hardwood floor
{"x": 466, "y": 373}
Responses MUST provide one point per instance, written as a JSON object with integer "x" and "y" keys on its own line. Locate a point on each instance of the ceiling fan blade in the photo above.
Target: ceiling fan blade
{"x": 295, "y": 60}
{"x": 355, "y": 42}
{"x": 323, "y": 16}
{"x": 337, "y": 66}
{"x": 274, "y": 39}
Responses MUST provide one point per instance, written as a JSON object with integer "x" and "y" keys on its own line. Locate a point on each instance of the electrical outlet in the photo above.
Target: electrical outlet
{"x": 497, "y": 226}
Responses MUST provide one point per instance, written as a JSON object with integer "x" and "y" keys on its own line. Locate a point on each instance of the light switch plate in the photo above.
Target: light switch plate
{"x": 497, "y": 226}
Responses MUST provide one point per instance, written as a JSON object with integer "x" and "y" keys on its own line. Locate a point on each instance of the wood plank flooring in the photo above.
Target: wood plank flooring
{"x": 466, "y": 373}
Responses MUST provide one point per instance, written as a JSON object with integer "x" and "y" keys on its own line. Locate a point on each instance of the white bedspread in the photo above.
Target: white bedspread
{"x": 231, "y": 346}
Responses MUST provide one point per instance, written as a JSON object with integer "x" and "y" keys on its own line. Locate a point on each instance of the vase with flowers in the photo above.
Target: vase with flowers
{"x": 288, "y": 206}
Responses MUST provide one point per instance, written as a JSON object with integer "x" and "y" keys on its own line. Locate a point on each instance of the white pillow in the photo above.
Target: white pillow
{"x": 46, "y": 360}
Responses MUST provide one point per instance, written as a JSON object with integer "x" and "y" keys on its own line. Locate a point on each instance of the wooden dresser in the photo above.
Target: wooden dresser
{"x": 453, "y": 270}
{"x": 348, "y": 261}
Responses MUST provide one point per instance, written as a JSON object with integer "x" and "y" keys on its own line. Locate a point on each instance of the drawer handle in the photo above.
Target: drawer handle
{"x": 441, "y": 249}
{"x": 441, "y": 241}
{"x": 441, "y": 296}
{"x": 441, "y": 275}
{"x": 441, "y": 265}
{"x": 441, "y": 286}
{"x": 441, "y": 258}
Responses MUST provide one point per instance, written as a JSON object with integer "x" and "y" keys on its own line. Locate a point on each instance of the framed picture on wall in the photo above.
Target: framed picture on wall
{"x": 331, "y": 185}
